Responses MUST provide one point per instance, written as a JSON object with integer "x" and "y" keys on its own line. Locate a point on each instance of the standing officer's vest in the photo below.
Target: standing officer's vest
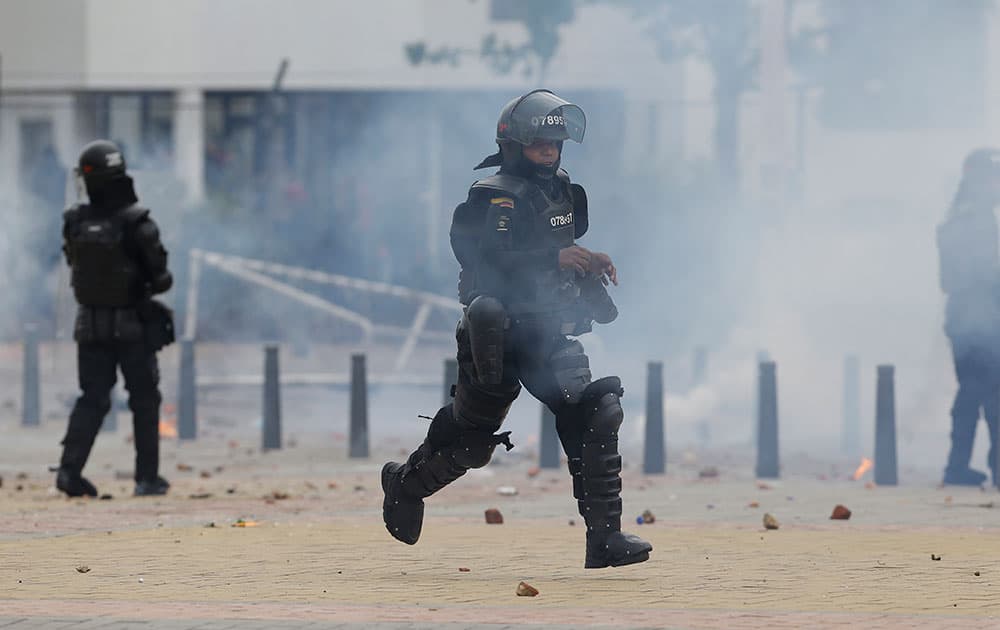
{"x": 105, "y": 272}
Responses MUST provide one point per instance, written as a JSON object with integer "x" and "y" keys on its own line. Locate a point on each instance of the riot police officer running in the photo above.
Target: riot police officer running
{"x": 528, "y": 290}
{"x": 970, "y": 277}
{"x": 118, "y": 262}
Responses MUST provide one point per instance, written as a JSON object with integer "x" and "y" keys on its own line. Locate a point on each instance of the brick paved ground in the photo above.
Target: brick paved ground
{"x": 319, "y": 557}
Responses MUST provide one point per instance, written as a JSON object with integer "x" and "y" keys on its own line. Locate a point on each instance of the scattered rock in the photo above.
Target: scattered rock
{"x": 106, "y": 497}
{"x": 210, "y": 525}
{"x": 763, "y": 486}
{"x": 83, "y": 569}
{"x": 840, "y": 513}
{"x": 710, "y": 506}
{"x": 770, "y": 522}
{"x": 709, "y": 473}
{"x": 219, "y": 469}
{"x": 753, "y": 504}
{"x": 933, "y": 557}
{"x": 507, "y": 491}
{"x": 533, "y": 471}
{"x": 281, "y": 496}
{"x": 976, "y": 574}
{"x": 647, "y": 517}
{"x": 19, "y": 487}
{"x": 494, "y": 517}
{"x": 948, "y": 500}
{"x": 123, "y": 475}
{"x": 311, "y": 485}
{"x": 572, "y": 522}
{"x": 1, "y": 481}
{"x": 243, "y": 523}
{"x": 21, "y": 476}
{"x": 526, "y": 590}
{"x": 205, "y": 474}
{"x": 464, "y": 569}
{"x": 185, "y": 467}
{"x": 332, "y": 485}
{"x": 200, "y": 495}
{"x": 141, "y": 580}
{"x": 230, "y": 490}
{"x": 869, "y": 485}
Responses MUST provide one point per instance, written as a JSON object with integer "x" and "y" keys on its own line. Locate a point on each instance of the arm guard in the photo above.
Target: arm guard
{"x": 153, "y": 256}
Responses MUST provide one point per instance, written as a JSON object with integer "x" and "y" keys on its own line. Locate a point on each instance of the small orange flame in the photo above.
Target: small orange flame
{"x": 168, "y": 428}
{"x": 866, "y": 465}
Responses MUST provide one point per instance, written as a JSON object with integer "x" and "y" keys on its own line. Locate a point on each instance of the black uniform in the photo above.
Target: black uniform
{"x": 118, "y": 263}
{"x": 970, "y": 277}
{"x": 518, "y": 329}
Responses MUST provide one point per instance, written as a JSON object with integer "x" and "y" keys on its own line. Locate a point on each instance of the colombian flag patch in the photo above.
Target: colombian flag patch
{"x": 503, "y": 202}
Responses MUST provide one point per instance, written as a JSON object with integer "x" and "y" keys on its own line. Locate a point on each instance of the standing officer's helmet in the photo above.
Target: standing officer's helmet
{"x": 100, "y": 162}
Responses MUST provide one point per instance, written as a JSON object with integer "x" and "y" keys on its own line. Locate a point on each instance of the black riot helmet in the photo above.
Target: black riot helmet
{"x": 102, "y": 169}
{"x": 101, "y": 162}
{"x": 538, "y": 115}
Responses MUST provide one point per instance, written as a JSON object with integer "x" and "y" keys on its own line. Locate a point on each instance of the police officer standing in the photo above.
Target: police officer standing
{"x": 529, "y": 290}
{"x": 970, "y": 277}
{"x": 118, "y": 262}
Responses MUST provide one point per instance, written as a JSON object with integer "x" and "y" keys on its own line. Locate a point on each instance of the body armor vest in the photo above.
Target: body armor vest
{"x": 539, "y": 222}
{"x": 105, "y": 271}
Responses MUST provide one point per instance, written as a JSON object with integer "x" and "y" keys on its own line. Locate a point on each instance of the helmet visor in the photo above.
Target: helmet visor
{"x": 544, "y": 116}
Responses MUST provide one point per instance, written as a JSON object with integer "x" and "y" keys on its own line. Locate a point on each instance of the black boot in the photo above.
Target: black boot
{"x": 151, "y": 487}
{"x": 403, "y": 515}
{"x": 601, "y": 508}
{"x": 74, "y": 484}
{"x": 963, "y": 477}
{"x": 597, "y": 482}
{"x": 427, "y": 470}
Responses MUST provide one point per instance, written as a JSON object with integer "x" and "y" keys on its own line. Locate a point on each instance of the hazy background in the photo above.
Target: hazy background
{"x": 766, "y": 174}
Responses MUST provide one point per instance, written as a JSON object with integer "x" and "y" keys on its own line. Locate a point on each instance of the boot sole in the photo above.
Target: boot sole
{"x": 632, "y": 559}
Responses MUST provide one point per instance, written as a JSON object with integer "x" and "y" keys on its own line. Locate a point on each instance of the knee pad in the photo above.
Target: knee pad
{"x": 571, "y": 368}
{"x": 487, "y": 322}
{"x": 602, "y": 407}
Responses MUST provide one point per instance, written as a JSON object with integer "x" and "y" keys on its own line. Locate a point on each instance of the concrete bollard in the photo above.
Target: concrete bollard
{"x": 31, "y": 415}
{"x": 654, "y": 459}
{"x": 768, "y": 459}
{"x": 271, "y": 424}
{"x": 450, "y": 380}
{"x": 187, "y": 398}
{"x": 359, "y": 407}
{"x": 885, "y": 428}
{"x": 548, "y": 446}
{"x": 850, "y": 442}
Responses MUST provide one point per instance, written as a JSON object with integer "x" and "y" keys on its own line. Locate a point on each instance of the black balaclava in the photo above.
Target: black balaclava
{"x": 113, "y": 194}
{"x": 510, "y": 158}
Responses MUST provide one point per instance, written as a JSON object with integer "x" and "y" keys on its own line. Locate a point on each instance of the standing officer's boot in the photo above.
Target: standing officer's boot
{"x": 74, "y": 484}
{"x": 597, "y": 482}
{"x": 963, "y": 432}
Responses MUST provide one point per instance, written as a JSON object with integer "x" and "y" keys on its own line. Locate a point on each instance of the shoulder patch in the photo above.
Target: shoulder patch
{"x": 503, "y": 202}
